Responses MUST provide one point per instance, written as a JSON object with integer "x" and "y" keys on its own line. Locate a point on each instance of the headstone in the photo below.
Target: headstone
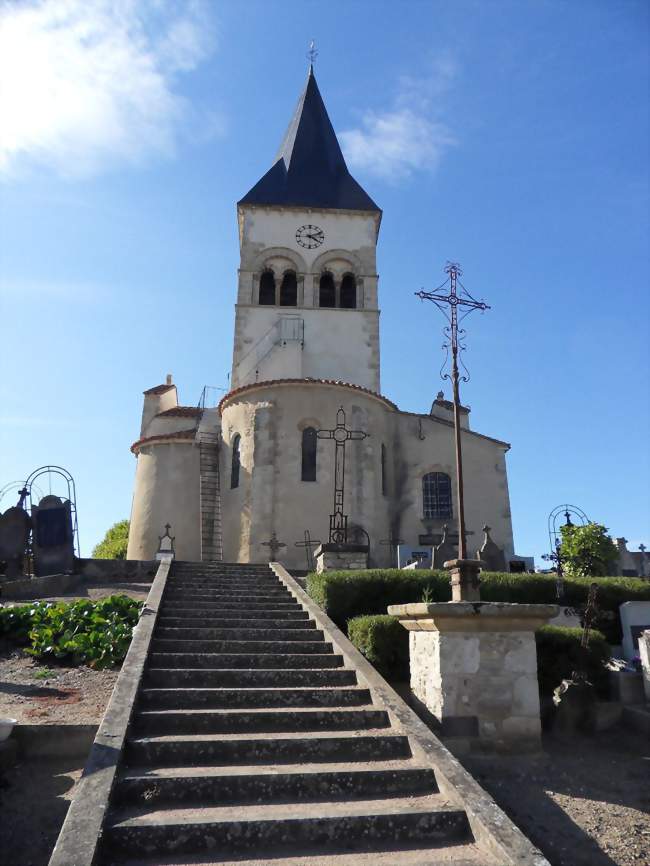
{"x": 166, "y": 544}
{"x": 445, "y": 551}
{"x": 644, "y": 652}
{"x": 15, "y": 525}
{"x": 635, "y": 618}
{"x": 568, "y": 617}
{"x": 626, "y": 564}
{"x": 53, "y": 541}
{"x": 341, "y": 557}
{"x": 490, "y": 554}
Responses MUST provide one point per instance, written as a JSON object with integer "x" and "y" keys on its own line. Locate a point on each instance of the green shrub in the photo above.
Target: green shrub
{"x": 346, "y": 594}
{"x": 559, "y": 653}
{"x": 114, "y": 543}
{"x": 384, "y": 642}
{"x": 97, "y": 633}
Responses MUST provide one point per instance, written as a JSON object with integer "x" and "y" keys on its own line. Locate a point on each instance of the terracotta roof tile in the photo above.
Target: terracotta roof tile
{"x": 181, "y": 412}
{"x": 158, "y": 389}
{"x": 180, "y": 435}
{"x": 266, "y": 384}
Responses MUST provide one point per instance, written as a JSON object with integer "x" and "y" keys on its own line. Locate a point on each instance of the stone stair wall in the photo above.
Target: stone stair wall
{"x": 258, "y": 735}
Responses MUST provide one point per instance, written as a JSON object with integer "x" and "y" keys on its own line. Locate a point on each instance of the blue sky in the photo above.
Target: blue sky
{"x": 509, "y": 136}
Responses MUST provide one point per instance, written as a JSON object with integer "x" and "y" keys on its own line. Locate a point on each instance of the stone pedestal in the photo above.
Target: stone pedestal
{"x": 474, "y": 667}
{"x": 465, "y": 580}
{"x": 337, "y": 557}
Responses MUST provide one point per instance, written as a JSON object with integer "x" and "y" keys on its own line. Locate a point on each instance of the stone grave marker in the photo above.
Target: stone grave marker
{"x": 635, "y": 618}
{"x": 490, "y": 554}
{"x": 53, "y": 541}
{"x": 15, "y": 525}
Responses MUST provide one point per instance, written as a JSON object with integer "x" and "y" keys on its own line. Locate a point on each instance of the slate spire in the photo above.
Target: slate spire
{"x": 309, "y": 168}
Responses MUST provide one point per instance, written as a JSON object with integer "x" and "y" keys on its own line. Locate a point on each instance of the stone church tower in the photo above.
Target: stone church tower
{"x": 306, "y": 343}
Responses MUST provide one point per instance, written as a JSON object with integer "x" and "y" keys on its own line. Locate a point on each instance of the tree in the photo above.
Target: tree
{"x": 114, "y": 543}
{"x": 587, "y": 551}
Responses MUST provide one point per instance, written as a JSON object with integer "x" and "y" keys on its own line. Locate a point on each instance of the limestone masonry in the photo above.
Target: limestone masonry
{"x": 306, "y": 343}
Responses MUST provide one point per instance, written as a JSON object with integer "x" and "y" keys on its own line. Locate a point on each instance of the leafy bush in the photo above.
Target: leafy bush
{"x": 114, "y": 543}
{"x": 559, "y": 653}
{"x": 384, "y": 642}
{"x": 346, "y": 594}
{"x": 97, "y": 633}
{"x": 587, "y": 550}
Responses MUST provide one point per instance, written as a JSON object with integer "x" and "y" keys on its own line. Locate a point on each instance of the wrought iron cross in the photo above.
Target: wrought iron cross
{"x": 308, "y": 543}
{"x": 449, "y": 305}
{"x": 393, "y": 541}
{"x": 588, "y": 617}
{"x": 274, "y": 546}
{"x": 340, "y": 434}
{"x": 312, "y": 54}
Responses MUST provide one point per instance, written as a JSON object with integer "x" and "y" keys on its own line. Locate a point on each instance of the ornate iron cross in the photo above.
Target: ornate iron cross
{"x": 274, "y": 546}
{"x": 340, "y": 434}
{"x": 308, "y": 543}
{"x": 449, "y": 305}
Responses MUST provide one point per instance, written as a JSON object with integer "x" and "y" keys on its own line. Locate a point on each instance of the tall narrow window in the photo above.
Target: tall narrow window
{"x": 349, "y": 292}
{"x": 327, "y": 296}
{"x": 309, "y": 440}
{"x": 436, "y": 495}
{"x": 236, "y": 462}
{"x": 267, "y": 288}
{"x": 383, "y": 470}
{"x": 289, "y": 290}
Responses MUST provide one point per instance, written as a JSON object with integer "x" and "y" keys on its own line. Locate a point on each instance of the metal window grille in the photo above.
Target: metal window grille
{"x": 436, "y": 496}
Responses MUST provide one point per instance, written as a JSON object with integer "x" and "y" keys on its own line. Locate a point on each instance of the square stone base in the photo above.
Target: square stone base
{"x": 341, "y": 557}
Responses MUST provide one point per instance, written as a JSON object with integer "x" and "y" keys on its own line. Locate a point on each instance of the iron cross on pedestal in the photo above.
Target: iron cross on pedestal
{"x": 274, "y": 546}
{"x": 340, "y": 434}
{"x": 308, "y": 543}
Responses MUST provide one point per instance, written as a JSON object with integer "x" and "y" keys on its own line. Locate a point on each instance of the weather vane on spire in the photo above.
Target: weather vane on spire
{"x": 312, "y": 54}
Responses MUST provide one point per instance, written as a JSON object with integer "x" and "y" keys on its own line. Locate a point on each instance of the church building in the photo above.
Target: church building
{"x": 306, "y": 344}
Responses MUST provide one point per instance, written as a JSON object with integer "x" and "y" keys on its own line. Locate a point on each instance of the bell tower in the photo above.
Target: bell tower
{"x": 307, "y": 305}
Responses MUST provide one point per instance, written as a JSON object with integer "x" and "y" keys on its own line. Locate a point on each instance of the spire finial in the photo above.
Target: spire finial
{"x": 312, "y": 54}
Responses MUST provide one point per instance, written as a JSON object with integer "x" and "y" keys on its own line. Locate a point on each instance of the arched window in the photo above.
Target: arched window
{"x": 267, "y": 288}
{"x": 327, "y": 296}
{"x": 436, "y": 495}
{"x": 309, "y": 441}
{"x": 236, "y": 462}
{"x": 383, "y": 470}
{"x": 349, "y": 292}
{"x": 289, "y": 290}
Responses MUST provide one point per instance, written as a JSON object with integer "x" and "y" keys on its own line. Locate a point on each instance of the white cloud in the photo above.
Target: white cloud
{"x": 407, "y": 137}
{"x": 84, "y": 83}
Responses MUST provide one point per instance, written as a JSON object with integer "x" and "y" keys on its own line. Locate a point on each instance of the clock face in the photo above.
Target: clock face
{"x": 310, "y": 237}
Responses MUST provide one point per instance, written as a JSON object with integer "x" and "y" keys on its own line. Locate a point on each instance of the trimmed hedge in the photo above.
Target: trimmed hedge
{"x": 384, "y": 642}
{"x": 347, "y": 594}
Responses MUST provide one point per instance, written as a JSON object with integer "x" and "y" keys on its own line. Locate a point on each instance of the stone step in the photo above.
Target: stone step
{"x": 260, "y": 829}
{"x": 256, "y": 749}
{"x": 228, "y": 661}
{"x": 149, "y": 722}
{"x": 241, "y": 646}
{"x": 283, "y": 784}
{"x": 225, "y": 586}
{"x": 383, "y": 853}
{"x": 237, "y": 613}
{"x": 232, "y": 594}
{"x": 242, "y": 678}
{"x": 263, "y": 634}
{"x": 191, "y": 605}
{"x": 223, "y": 698}
{"x": 235, "y": 622}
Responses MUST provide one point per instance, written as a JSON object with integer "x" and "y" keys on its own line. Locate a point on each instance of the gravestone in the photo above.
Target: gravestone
{"x": 568, "y": 617}
{"x": 644, "y": 651}
{"x": 626, "y": 565}
{"x": 445, "y": 551}
{"x": 413, "y": 557}
{"x": 635, "y": 618}
{"x": 53, "y": 540}
{"x": 15, "y": 525}
{"x": 490, "y": 554}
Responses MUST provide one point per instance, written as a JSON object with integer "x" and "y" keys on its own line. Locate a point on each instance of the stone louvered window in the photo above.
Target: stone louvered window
{"x": 327, "y": 291}
{"x": 348, "y": 292}
{"x": 267, "y": 288}
{"x": 309, "y": 442}
{"x": 236, "y": 462}
{"x": 289, "y": 290}
{"x": 436, "y": 496}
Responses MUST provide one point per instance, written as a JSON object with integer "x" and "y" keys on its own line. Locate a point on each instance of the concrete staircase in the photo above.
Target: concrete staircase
{"x": 251, "y": 742}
